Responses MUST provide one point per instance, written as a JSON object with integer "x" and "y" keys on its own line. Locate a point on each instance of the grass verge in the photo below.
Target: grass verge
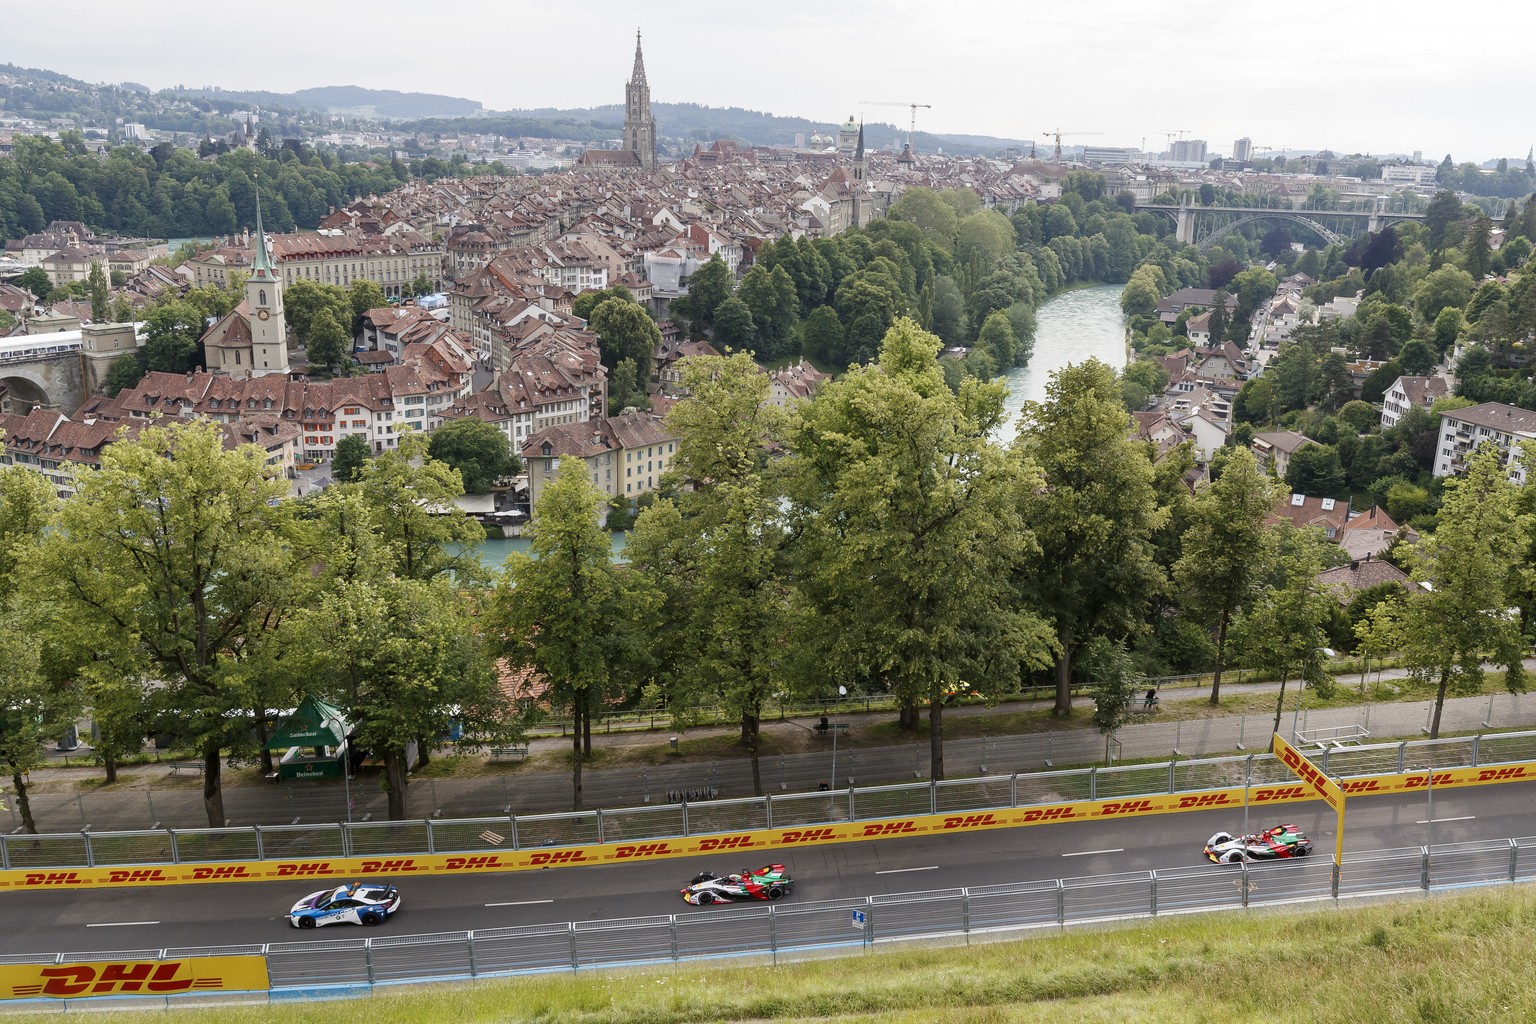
{"x": 1445, "y": 958}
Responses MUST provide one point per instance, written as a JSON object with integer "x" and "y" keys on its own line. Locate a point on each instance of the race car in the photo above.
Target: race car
{"x": 770, "y": 882}
{"x": 367, "y": 903}
{"x": 1271, "y": 844}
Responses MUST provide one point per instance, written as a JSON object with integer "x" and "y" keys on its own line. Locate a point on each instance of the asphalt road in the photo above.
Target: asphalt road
{"x": 124, "y": 921}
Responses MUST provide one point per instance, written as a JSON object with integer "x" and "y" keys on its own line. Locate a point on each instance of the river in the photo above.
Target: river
{"x": 1071, "y": 327}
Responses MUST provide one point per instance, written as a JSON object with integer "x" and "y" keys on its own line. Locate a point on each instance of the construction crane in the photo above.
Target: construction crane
{"x": 1171, "y": 132}
{"x": 912, "y": 126}
{"x": 1057, "y": 134}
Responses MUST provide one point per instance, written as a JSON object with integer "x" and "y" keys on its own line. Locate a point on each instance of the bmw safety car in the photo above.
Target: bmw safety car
{"x": 770, "y": 882}
{"x": 1271, "y": 844}
{"x": 366, "y": 903}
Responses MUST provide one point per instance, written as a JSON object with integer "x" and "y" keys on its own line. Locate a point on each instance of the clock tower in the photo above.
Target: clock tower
{"x": 264, "y": 299}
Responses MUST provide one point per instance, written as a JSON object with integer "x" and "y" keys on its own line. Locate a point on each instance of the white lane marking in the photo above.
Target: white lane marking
{"x": 1464, "y": 817}
{"x": 902, "y": 871}
{"x": 521, "y": 903}
{"x": 1092, "y": 853}
{"x": 120, "y": 924}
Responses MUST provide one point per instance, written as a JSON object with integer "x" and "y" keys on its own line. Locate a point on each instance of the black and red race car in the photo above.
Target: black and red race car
{"x": 1271, "y": 844}
{"x": 770, "y": 882}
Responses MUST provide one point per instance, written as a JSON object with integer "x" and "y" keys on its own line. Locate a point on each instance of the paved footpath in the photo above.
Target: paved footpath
{"x": 536, "y": 792}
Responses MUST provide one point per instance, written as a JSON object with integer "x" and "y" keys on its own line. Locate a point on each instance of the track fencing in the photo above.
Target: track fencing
{"x": 355, "y": 966}
{"x": 786, "y": 810}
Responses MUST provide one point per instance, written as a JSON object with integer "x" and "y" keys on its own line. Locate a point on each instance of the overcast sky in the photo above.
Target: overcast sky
{"x": 1310, "y": 74}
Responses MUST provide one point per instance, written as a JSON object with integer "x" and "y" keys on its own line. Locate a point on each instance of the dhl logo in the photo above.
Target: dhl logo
{"x": 725, "y": 843}
{"x": 889, "y": 828}
{"x": 1422, "y": 781}
{"x": 226, "y": 871}
{"x": 970, "y": 821}
{"x": 88, "y": 979}
{"x": 471, "y": 863}
{"x": 1500, "y": 774}
{"x": 1048, "y": 814}
{"x": 1360, "y": 786}
{"x": 374, "y": 867}
{"x": 1304, "y": 770}
{"x": 641, "y": 850}
{"x": 808, "y": 835}
{"x": 558, "y": 857}
{"x": 312, "y": 867}
{"x": 137, "y": 875}
{"x": 1203, "y": 800}
{"x": 1260, "y": 796}
{"x": 1125, "y": 807}
{"x": 53, "y": 878}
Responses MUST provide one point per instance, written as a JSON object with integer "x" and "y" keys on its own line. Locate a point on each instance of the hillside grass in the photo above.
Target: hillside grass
{"x": 1442, "y": 959}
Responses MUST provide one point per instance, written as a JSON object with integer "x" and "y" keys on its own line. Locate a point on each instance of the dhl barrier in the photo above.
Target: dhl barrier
{"x": 79, "y": 980}
{"x": 749, "y": 841}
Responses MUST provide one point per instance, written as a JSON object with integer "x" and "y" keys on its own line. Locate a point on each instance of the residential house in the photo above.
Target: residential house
{"x": 1327, "y": 514}
{"x": 1274, "y": 449}
{"x": 1464, "y": 430}
{"x": 1407, "y": 392}
{"x": 624, "y": 455}
{"x": 1347, "y": 581}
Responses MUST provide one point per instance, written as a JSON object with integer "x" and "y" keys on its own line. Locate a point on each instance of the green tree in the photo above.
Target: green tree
{"x": 1094, "y": 516}
{"x": 1446, "y": 288}
{"x": 1282, "y": 631}
{"x": 1315, "y": 470}
{"x": 821, "y": 334}
{"x": 1472, "y": 564}
{"x": 625, "y": 331}
{"x": 1416, "y": 358}
{"x": 125, "y": 372}
{"x": 172, "y": 331}
{"x": 566, "y": 611}
{"x": 984, "y": 237}
{"x": 329, "y": 340}
{"x": 1443, "y": 212}
{"x": 304, "y": 301}
{"x": 178, "y": 550}
{"x": 36, "y": 281}
{"x": 411, "y": 497}
{"x": 101, "y": 294}
{"x": 1226, "y": 530}
{"x": 735, "y": 329}
{"x": 351, "y": 455}
{"x": 122, "y": 309}
{"x": 33, "y": 707}
{"x": 932, "y": 215}
{"x": 479, "y": 450}
{"x": 997, "y": 338}
{"x": 587, "y": 301}
{"x": 709, "y": 286}
{"x": 909, "y": 533}
{"x": 1476, "y": 248}
{"x": 365, "y": 295}
{"x": 422, "y": 284}
{"x": 718, "y": 550}
{"x": 771, "y": 298}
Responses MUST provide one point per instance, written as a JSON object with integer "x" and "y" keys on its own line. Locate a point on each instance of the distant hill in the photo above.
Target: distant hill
{"x": 352, "y": 100}
{"x": 682, "y": 124}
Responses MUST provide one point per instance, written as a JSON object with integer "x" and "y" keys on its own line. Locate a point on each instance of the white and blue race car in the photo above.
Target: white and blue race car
{"x": 367, "y": 903}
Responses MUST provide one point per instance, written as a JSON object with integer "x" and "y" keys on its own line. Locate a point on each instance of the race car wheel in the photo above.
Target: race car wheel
{"x": 306, "y": 922}
{"x": 1232, "y": 857}
{"x": 774, "y": 892}
{"x": 372, "y": 919}
{"x": 1302, "y": 851}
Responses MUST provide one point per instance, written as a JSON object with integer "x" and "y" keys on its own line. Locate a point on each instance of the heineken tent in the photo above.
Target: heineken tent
{"x": 313, "y": 740}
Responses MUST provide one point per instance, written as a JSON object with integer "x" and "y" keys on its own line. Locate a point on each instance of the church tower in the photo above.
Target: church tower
{"x": 860, "y": 214}
{"x": 639, "y": 124}
{"x": 264, "y": 299}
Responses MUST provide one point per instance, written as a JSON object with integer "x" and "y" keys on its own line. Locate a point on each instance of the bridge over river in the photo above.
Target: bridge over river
{"x": 1204, "y": 226}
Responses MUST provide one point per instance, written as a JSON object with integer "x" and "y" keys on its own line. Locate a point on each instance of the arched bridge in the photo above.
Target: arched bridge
{"x": 1203, "y": 226}
{"x": 59, "y": 369}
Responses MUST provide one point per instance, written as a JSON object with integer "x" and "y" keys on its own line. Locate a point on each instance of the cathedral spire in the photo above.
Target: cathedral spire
{"x": 261, "y": 262}
{"x": 637, "y": 76}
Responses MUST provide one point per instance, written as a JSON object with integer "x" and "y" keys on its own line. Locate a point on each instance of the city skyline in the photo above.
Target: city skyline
{"x": 1339, "y": 78}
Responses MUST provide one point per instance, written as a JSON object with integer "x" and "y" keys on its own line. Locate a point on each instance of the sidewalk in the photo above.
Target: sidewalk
{"x": 151, "y": 797}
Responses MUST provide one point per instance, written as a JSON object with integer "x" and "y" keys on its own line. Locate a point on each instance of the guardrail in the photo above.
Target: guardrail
{"x": 356, "y": 966}
{"x": 786, "y": 810}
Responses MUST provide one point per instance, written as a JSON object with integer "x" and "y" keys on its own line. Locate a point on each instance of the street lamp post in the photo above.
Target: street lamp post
{"x": 842, "y": 691}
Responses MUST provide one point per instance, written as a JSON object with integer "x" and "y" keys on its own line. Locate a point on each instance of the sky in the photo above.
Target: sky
{"x": 1353, "y": 77}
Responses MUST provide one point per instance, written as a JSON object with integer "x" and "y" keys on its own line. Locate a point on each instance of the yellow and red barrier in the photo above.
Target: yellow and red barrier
{"x": 86, "y": 979}
{"x": 747, "y": 841}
